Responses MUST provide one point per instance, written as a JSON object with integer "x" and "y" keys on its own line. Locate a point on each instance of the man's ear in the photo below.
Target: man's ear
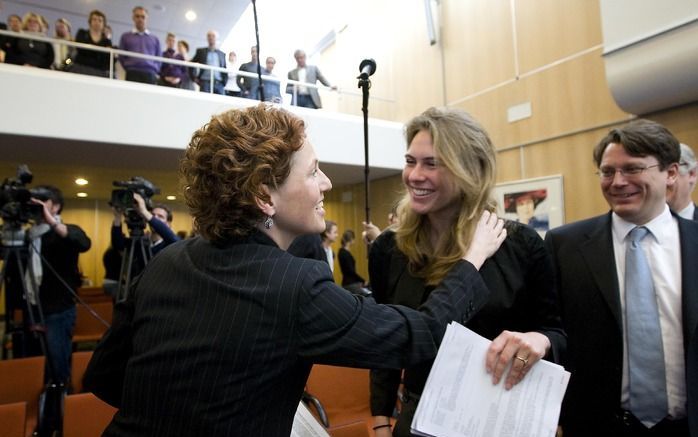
{"x": 672, "y": 173}
{"x": 266, "y": 205}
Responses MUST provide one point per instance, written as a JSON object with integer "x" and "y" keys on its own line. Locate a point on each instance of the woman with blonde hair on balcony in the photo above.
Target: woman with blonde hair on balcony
{"x": 29, "y": 52}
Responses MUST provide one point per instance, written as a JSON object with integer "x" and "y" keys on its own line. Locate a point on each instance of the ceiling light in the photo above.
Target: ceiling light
{"x": 81, "y": 194}
{"x": 81, "y": 181}
{"x": 170, "y": 197}
{"x": 190, "y": 15}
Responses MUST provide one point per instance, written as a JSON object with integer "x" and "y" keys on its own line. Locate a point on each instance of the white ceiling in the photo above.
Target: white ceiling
{"x": 164, "y": 15}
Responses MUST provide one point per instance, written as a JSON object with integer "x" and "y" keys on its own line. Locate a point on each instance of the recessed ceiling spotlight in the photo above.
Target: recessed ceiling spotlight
{"x": 81, "y": 181}
{"x": 170, "y": 197}
{"x": 81, "y": 194}
{"x": 190, "y": 15}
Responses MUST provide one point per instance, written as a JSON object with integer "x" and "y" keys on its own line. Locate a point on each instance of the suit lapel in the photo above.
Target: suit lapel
{"x": 597, "y": 252}
{"x": 689, "y": 278}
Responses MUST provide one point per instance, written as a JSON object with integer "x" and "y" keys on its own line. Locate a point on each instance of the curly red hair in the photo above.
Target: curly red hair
{"x": 229, "y": 160}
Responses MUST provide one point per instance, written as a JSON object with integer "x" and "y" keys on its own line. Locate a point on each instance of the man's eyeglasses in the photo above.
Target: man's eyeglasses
{"x": 608, "y": 173}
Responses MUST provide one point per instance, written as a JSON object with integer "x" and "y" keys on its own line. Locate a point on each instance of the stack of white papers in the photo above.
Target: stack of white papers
{"x": 460, "y": 400}
{"x": 306, "y": 425}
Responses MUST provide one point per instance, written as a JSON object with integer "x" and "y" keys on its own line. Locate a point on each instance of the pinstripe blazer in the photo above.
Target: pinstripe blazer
{"x": 220, "y": 341}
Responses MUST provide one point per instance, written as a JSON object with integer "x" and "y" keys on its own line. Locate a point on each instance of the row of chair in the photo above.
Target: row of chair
{"x": 21, "y": 384}
{"x": 344, "y": 397}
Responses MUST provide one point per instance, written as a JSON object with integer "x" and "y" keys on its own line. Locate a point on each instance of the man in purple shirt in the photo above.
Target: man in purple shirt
{"x": 170, "y": 74}
{"x": 140, "y": 40}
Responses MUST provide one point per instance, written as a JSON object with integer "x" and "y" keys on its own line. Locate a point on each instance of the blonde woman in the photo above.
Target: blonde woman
{"x": 449, "y": 174}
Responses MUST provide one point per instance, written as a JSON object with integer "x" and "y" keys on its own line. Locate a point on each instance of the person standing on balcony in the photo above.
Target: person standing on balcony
{"x": 63, "y": 53}
{"x": 249, "y": 85}
{"x": 140, "y": 40}
{"x": 171, "y": 75}
{"x": 183, "y": 50}
{"x": 307, "y": 97}
{"x": 92, "y": 62}
{"x": 14, "y": 24}
{"x": 213, "y": 57}
{"x": 272, "y": 88}
{"x": 231, "y": 87}
{"x": 29, "y": 52}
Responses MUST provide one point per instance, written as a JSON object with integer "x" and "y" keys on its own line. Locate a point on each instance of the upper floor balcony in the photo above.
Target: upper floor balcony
{"x": 63, "y": 124}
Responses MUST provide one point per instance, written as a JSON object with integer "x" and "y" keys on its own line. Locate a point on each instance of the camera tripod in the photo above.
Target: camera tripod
{"x": 16, "y": 253}
{"x": 138, "y": 249}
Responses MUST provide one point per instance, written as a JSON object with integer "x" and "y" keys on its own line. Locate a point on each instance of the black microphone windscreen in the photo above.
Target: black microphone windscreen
{"x": 367, "y": 68}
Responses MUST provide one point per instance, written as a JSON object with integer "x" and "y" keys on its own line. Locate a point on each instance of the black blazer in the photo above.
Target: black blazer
{"x": 586, "y": 278}
{"x": 200, "y": 57}
{"x": 522, "y": 298}
{"x": 220, "y": 341}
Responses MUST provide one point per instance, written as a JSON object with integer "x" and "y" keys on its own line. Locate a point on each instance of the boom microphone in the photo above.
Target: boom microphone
{"x": 367, "y": 68}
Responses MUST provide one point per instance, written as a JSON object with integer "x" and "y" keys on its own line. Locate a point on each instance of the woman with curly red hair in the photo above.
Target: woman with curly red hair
{"x": 223, "y": 328}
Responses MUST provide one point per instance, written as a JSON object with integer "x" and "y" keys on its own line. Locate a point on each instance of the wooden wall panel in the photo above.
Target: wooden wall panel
{"x": 509, "y": 165}
{"x": 478, "y": 45}
{"x": 569, "y": 97}
{"x": 572, "y": 158}
{"x": 548, "y": 30}
{"x": 95, "y": 218}
{"x": 683, "y": 123}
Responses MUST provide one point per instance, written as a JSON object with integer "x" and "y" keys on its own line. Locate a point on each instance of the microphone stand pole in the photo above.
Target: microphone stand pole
{"x": 365, "y": 85}
{"x": 260, "y": 87}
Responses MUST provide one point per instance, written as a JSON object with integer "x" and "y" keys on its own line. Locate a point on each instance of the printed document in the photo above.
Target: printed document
{"x": 459, "y": 399}
{"x": 306, "y": 425}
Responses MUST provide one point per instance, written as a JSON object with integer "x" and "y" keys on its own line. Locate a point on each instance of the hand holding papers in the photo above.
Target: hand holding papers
{"x": 460, "y": 400}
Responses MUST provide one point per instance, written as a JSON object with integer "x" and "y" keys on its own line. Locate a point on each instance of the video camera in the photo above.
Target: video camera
{"x": 15, "y": 199}
{"x": 122, "y": 199}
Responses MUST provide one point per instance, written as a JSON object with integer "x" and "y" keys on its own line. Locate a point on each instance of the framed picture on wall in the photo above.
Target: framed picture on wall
{"x": 538, "y": 202}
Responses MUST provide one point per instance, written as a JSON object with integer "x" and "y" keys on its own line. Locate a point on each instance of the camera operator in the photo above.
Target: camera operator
{"x": 60, "y": 245}
{"x": 159, "y": 219}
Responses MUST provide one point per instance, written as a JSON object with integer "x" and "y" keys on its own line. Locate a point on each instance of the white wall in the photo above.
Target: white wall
{"x": 42, "y": 103}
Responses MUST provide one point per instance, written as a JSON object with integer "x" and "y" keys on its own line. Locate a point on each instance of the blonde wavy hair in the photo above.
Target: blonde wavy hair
{"x": 463, "y": 148}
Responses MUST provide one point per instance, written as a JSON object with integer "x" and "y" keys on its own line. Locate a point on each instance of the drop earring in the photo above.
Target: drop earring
{"x": 268, "y": 222}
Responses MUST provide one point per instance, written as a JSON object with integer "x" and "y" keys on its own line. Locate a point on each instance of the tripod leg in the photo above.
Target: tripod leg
{"x": 51, "y": 401}
{"x": 125, "y": 276}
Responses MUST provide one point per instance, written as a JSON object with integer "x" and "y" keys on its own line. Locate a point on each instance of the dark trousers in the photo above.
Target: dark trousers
{"x": 404, "y": 420}
{"x": 59, "y": 342}
{"x": 627, "y": 425}
{"x": 218, "y": 87}
{"x": 141, "y": 76}
{"x": 621, "y": 424}
{"x": 305, "y": 101}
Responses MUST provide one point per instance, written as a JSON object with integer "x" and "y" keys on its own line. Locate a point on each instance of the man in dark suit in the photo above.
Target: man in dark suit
{"x": 249, "y": 84}
{"x": 679, "y": 195}
{"x": 598, "y": 295}
{"x": 215, "y": 58}
{"x": 307, "y": 97}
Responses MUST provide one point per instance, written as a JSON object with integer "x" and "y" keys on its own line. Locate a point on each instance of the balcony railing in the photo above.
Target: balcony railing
{"x": 115, "y": 53}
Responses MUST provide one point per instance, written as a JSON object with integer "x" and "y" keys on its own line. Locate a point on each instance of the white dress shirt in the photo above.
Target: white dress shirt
{"x": 663, "y": 251}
